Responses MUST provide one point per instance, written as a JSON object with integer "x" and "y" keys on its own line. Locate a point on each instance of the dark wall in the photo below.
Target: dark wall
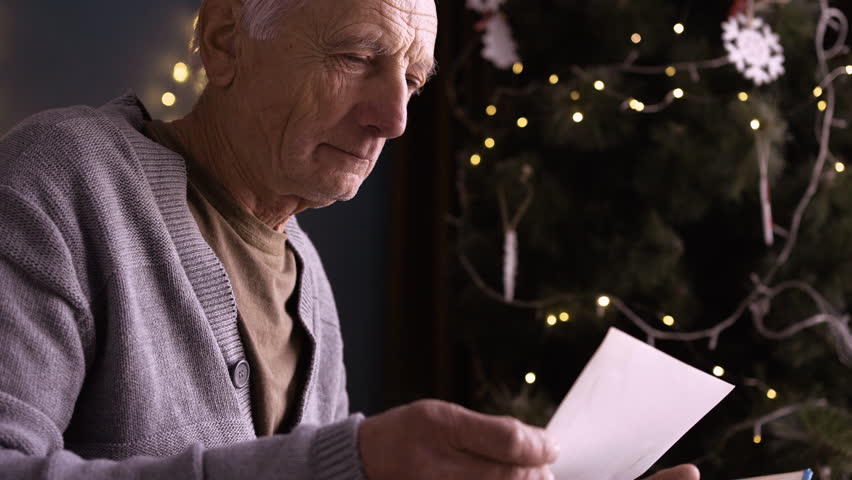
{"x": 423, "y": 360}
{"x": 55, "y": 53}
{"x": 58, "y": 53}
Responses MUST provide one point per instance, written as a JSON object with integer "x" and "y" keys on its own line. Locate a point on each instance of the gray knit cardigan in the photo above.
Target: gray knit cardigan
{"x": 118, "y": 328}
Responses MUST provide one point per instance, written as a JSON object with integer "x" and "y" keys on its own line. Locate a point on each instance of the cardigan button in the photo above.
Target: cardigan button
{"x": 240, "y": 374}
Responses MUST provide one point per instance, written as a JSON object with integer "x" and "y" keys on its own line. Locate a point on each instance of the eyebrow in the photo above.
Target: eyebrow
{"x": 431, "y": 70}
{"x": 375, "y": 46}
{"x": 359, "y": 41}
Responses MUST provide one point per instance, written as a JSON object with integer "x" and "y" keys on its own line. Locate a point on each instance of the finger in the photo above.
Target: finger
{"x": 502, "y": 439}
{"x": 681, "y": 472}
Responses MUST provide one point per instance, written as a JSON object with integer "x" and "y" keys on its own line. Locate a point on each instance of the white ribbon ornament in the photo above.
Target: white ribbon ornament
{"x": 510, "y": 264}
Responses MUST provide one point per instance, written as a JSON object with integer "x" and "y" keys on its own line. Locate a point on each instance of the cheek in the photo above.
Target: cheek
{"x": 316, "y": 103}
{"x": 327, "y": 95}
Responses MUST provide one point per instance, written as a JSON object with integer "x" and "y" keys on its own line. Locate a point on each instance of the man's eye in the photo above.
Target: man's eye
{"x": 414, "y": 86}
{"x": 359, "y": 59}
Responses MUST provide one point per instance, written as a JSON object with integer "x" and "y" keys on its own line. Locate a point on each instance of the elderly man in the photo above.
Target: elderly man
{"x": 164, "y": 316}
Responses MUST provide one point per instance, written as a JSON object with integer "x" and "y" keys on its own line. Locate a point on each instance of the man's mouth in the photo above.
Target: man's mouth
{"x": 351, "y": 153}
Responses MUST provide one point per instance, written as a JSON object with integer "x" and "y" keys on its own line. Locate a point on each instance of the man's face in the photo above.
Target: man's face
{"x": 313, "y": 107}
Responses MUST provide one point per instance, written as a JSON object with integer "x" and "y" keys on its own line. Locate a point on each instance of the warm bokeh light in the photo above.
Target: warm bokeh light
{"x": 817, "y": 91}
{"x": 604, "y": 301}
{"x": 677, "y": 92}
{"x": 575, "y": 95}
{"x": 849, "y": 69}
{"x": 743, "y": 96}
{"x": 523, "y": 122}
{"x": 551, "y": 320}
{"x": 636, "y": 38}
{"x": 755, "y": 124}
{"x": 554, "y": 79}
{"x": 671, "y": 71}
{"x": 599, "y": 85}
{"x": 822, "y": 105}
{"x": 668, "y": 320}
{"x": 530, "y": 378}
{"x": 757, "y": 439}
{"x": 578, "y": 117}
{"x": 168, "y": 99}
{"x": 491, "y": 110}
{"x": 839, "y": 167}
{"x": 718, "y": 371}
{"x": 489, "y": 142}
{"x": 564, "y": 316}
{"x": 475, "y": 159}
{"x": 771, "y": 394}
{"x": 636, "y": 105}
{"x": 518, "y": 68}
{"x": 181, "y": 72}
{"x": 679, "y": 28}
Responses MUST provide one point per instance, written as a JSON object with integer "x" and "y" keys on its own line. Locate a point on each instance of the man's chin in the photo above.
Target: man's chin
{"x": 324, "y": 199}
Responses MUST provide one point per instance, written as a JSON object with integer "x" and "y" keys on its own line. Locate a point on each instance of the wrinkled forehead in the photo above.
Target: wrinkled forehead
{"x": 405, "y": 23}
{"x": 419, "y": 14}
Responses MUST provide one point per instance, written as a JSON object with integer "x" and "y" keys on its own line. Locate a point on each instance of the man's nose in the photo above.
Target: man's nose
{"x": 385, "y": 109}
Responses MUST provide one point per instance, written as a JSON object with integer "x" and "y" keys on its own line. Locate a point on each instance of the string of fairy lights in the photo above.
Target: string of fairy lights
{"x": 758, "y": 301}
{"x": 632, "y": 103}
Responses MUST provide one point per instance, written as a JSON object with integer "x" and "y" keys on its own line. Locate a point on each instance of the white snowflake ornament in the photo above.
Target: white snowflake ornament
{"x": 753, "y": 48}
{"x": 485, "y": 6}
{"x": 498, "y": 46}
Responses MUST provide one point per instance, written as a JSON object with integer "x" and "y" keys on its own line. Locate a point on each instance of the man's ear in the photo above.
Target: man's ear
{"x": 218, "y": 31}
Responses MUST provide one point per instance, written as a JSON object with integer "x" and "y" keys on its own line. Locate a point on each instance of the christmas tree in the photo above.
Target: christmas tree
{"x": 675, "y": 169}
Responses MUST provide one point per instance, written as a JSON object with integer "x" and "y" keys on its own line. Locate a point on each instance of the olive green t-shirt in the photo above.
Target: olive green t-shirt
{"x": 262, "y": 270}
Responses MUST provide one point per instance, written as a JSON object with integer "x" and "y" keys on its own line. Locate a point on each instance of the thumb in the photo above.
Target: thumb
{"x": 681, "y": 472}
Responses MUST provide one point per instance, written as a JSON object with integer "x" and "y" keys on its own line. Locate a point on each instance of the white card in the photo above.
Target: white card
{"x": 803, "y": 475}
{"x": 628, "y": 407}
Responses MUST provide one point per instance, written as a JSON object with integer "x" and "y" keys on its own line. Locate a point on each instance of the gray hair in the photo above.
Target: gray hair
{"x": 261, "y": 18}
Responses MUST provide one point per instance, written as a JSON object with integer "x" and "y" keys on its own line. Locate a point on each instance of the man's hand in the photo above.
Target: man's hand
{"x": 681, "y": 472}
{"x": 431, "y": 439}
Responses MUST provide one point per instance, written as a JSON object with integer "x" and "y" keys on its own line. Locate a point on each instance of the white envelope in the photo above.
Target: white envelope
{"x": 803, "y": 475}
{"x": 630, "y": 404}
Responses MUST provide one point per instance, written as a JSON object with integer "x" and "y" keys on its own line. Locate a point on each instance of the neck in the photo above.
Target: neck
{"x": 205, "y": 136}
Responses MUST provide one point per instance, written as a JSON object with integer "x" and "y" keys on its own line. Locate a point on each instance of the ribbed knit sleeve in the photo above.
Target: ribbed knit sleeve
{"x": 308, "y": 453}
{"x": 317, "y": 453}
